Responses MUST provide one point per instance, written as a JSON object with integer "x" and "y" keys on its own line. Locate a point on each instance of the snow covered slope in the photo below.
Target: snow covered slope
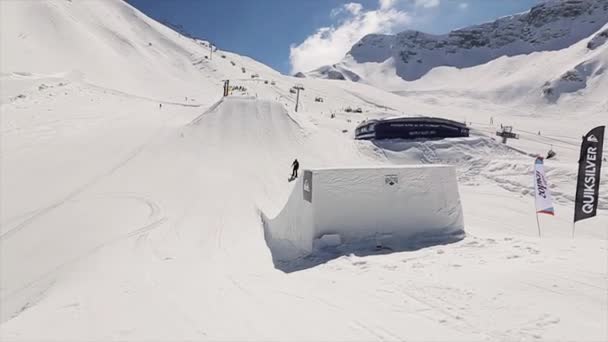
{"x": 549, "y": 26}
{"x": 588, "y": 75}
{"x": 554, "y": 53}
{"x": 109, "y": 44}
{"x": 131, "y": 193}
{"x": 573, "y": 77}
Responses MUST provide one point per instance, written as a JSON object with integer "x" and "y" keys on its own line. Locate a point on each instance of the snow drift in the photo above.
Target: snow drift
{"x": 391, "y": 207}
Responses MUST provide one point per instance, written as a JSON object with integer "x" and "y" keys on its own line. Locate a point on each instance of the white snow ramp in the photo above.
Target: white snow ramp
{"x": 392, "y": 207}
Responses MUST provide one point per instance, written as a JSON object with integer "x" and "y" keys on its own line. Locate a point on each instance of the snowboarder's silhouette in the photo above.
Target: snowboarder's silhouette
{"x": 296, "y": 166}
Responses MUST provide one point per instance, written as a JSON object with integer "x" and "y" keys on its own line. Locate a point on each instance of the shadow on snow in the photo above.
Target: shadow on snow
{"x": 367, "y": 247}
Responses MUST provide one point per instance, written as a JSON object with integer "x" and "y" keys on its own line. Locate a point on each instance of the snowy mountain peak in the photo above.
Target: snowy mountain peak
{"x": 549, "y": 26}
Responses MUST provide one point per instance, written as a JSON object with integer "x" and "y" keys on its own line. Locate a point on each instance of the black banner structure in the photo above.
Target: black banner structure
{"x": 589, "y": 167}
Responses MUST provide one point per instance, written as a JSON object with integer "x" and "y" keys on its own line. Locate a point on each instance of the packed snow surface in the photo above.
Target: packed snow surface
{"x": 131, "y": 193}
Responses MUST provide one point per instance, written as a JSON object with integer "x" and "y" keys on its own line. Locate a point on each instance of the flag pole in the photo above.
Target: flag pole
{"x": 537, "y": 224}
{"x": 573, "y": 224}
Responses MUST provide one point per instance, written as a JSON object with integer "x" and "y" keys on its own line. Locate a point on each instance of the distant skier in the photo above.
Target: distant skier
{"x": 160, "y": 106}
{"x": 296, "y": 166}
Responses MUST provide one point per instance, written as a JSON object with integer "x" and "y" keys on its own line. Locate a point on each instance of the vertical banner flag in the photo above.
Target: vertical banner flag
{"x": 589, "y": 166}
{"x": 544, "y": 204}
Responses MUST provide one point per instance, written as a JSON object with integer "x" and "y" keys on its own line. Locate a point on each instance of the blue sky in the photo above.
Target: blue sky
{"x": 299, "y": 35}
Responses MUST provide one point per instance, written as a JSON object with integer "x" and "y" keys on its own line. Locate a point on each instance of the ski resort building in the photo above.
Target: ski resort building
{"x": 411, "y": 128}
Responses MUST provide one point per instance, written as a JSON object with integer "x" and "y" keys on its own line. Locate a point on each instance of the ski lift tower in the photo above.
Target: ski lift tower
{"x": 507, "y": 133}
{"x": 298, "y": 87}
{"x": 226, "y": 87}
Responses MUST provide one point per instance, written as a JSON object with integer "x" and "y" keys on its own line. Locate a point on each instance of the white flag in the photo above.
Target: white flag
{"x": 544, "y": 204}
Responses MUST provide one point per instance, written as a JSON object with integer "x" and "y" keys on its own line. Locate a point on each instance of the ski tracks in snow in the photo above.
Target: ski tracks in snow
{"x": 455, "y": 304}
{"x": 38, "y": 213}
{"x": 32, "y": 290}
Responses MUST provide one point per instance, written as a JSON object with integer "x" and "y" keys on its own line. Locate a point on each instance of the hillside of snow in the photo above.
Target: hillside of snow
{"x": 570, "y": 80}
{"x": 554, "y": 50}
{"x": 131, "y": 192}
{"x": 549, "y": 26}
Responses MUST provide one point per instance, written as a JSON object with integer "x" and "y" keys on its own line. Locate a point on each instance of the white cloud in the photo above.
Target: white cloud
{"x": 463, "y": 6}
{"x": 386, "y": 4}
{"x": 353, "y": 8}
{"x": 328, "y": 45}
{"x": 426, "y": 3}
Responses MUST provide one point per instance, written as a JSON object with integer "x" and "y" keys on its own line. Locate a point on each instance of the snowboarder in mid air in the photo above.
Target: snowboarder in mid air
{"x": 296, "y": 166}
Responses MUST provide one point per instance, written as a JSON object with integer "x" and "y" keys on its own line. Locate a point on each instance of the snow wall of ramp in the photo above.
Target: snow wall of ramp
{"x": 387, "y": 206}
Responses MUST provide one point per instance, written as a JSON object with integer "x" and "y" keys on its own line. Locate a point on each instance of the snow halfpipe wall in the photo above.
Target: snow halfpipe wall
{"x": 389, "y": 207}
